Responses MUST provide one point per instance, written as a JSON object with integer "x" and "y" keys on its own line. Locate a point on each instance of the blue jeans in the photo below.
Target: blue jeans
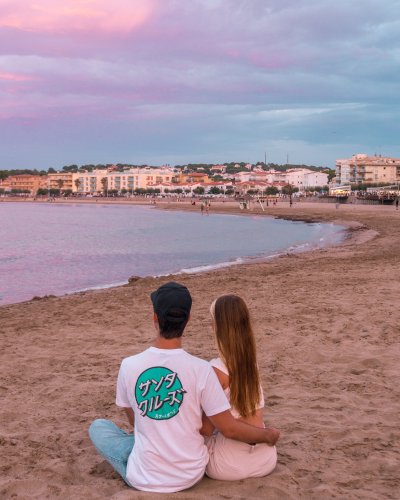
{"x": 113, "y": 444}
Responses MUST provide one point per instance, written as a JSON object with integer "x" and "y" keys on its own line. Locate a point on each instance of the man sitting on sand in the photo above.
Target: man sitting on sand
{"x": 163, "y": 391}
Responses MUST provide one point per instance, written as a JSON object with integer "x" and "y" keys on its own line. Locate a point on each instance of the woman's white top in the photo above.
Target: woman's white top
{"x": 220, "y": 365}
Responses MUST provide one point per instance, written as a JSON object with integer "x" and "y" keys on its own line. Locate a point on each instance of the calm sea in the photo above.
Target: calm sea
{"x": 55, "y": 249}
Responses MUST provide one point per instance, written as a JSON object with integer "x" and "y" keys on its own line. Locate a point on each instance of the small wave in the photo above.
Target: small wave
{"x": 239, "y": 260}
{"x": 210, "y": 267}
{"x": 95, "y": 287}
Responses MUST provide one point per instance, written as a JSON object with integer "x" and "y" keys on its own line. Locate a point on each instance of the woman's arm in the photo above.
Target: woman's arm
{"x": 223, "y": 378}
{"x": 240, "y": 431}
{"x": 207, "y": 428}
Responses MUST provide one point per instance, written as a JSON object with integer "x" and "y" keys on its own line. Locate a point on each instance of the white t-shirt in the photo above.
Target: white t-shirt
{"x": 167, "y": 388}
{"x": 220, "y": 365}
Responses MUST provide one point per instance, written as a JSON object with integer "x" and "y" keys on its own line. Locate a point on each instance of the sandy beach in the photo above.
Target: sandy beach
{"x": 328, "y": 345}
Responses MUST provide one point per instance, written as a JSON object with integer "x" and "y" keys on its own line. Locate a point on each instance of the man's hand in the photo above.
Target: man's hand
{"x": 273, "y": 436}
{"x": 240, "y": 431}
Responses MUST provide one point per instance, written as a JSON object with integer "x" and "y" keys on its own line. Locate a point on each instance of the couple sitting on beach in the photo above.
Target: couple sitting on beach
{"x": 190, "y": 417}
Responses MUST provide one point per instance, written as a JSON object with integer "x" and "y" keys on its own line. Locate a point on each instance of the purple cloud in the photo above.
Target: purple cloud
{"x": 225, "y": 79}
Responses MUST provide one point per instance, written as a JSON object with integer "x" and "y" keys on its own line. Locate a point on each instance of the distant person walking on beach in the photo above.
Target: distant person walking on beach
{"x": 208, "y": 209}
{"x": 163, "y": 391}
{"x": 397, "y": 203}
{"x": 202, "y": 209}
{"x": 237, "y": 372}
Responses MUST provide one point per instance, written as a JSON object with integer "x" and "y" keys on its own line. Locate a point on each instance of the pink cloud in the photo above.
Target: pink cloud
{"x": 233, "y": 52}
{"x": 71, "y": 15}
{"x": 16, "y": 78}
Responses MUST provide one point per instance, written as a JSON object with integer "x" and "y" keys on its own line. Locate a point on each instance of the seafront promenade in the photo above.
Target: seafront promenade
{"x": 220, "y": 202}
{"x": 328, "y": 342}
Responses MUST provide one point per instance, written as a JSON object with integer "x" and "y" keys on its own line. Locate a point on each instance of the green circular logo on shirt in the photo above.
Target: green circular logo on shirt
{"x": 159, "y": 393}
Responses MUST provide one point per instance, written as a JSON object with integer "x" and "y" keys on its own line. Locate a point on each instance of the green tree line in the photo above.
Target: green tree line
{"x": 192, "y": 167}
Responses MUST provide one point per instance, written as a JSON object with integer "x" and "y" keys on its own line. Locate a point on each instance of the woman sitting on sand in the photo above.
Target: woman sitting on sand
{"x": 238, "y": 374}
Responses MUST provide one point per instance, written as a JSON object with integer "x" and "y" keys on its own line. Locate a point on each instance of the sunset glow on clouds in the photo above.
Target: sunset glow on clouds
{"x": 207, "y": 80}
{"x": 67, "y": 16}
{"x": 17, "y": 78}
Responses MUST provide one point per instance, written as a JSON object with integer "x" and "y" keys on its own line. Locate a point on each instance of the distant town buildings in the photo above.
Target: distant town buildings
{"x": 25, "y": 182}
{"x": 242, "y": 176}
{"x": 190, "y": 177}
{"x": 299, "y": 177}
{"x": 305, "y": 178}
{"x": 238, "y": 178}
{"x": 191, "y": 187}
{"x": 219, "y": 168}
{"x": 54, "y": 181}
{"x": 129, "y": 180}
{"x": 367, "y": 169}
{"x": 165, "y": 179}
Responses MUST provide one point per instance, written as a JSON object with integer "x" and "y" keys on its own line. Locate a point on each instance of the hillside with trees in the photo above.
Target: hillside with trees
{"x": 231, "y": 168}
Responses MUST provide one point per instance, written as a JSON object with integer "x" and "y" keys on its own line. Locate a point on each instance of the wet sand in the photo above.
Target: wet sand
{"x": 328, "y": 345}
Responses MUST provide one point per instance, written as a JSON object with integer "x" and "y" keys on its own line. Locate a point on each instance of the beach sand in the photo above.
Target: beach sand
{"x": 328, "y": 345}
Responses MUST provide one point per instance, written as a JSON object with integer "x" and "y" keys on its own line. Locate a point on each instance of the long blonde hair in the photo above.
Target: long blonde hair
{"x": 237, "y": 349}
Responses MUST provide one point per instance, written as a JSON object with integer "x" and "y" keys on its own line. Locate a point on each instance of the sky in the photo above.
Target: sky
{"x": 202, "y": 81}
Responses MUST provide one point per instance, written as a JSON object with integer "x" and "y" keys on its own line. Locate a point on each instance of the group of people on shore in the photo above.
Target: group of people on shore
{"x": 190, "y": 417}
{"x": 207, "y": 208}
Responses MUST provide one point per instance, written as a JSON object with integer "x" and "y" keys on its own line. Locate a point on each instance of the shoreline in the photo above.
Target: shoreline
{"x": 352, "y": 236}
{"x": 328, "y": 342}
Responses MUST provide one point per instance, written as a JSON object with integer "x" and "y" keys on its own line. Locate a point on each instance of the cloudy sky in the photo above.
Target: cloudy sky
{"x": 173, "y": 81}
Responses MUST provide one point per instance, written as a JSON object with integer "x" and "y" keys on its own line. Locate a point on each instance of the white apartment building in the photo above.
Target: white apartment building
{"x": 299, "y": 177}
{"x": 270, "y": 175}
{"x": 96, "y": 181}
{"x": 242, "y": 176}
{"x": 363, "y": 168}
{"x": 229, "y": 176}
{"x": 342, "y": 171}
{"x": 305, "y": 178}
